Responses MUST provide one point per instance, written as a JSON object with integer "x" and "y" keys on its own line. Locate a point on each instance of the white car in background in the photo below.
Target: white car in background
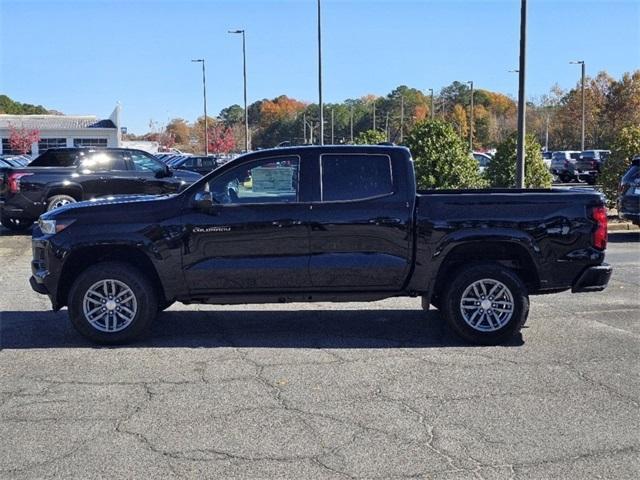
{"x": 483, "y": 160}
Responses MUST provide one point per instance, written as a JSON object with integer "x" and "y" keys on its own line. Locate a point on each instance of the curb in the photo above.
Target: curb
{"x": 616, "y": 227}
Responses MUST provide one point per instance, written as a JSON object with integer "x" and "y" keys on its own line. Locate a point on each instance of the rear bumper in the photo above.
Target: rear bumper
{"x": 593, "y": 279}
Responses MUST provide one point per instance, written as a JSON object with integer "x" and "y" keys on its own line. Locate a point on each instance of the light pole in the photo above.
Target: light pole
{"x": 386, "y": 126}
{"x": 204, "y": 93}
{"x": 401, "y": 118}
{"x": 470, "y": 82}
{"x": 374, "y": 114}
{"x": 582, "y": 65}
{"x": 320, "y": 76}
{"x": 244, "y": 77}
{"x": 522, "y": 104}
{"x": 431, "y": 112}
{"x": 351, "y": 123}
{"x": 332, "y": 123}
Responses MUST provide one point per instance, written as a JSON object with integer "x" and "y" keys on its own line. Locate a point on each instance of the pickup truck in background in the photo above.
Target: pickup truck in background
{"x": 309, "y": 224}
{"x": 67, "y": 175}
{"x": 590, "y": 164}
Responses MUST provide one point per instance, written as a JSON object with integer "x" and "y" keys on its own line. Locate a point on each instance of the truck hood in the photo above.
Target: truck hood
{"x": 127, "y": 204}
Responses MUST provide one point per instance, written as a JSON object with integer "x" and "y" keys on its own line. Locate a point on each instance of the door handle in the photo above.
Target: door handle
{"x": 286, "y": 223}
{"x": 385, "y": 221}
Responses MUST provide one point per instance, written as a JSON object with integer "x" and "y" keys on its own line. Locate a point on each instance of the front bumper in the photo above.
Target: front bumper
{"x": 42, "y": 281}
{"x": 593, "y": 279}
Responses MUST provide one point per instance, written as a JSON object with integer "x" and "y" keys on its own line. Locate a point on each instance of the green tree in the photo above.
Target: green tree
{"x": 501, "y": 171}
{"x": 232, "y": 115}
{"x": 625, "y": 146}
{"x": 16, "y": 108}
{"x": 370, "y": 137}
{"x": 440, "y": 157}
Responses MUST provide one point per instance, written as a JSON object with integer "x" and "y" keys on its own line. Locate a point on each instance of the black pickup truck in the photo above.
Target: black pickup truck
{"x": 67, "y": 175}
{"x": 307, "y": 224}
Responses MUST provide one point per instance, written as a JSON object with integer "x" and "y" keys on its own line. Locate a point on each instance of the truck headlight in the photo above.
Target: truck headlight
{"x": 51, "y": 227}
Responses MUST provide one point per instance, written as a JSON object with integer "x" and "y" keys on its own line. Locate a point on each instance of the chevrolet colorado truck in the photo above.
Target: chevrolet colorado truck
{"x": 310, "y": 224}
{"x": 67, "y": 175}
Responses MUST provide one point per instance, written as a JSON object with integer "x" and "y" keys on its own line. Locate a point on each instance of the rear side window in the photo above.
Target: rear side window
{"x": 103, "y": 161}
{"x": 575, "y": 155}
{"x": 354, "y": 177}
{"x": 56, "y": 158}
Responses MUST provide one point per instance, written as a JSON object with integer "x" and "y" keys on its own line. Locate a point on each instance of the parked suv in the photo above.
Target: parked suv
{"x": 629, "y": 197}
{"x": 67, "y": 175}
{"x": 563, "y": 164}
{"x": 589, "y": 165}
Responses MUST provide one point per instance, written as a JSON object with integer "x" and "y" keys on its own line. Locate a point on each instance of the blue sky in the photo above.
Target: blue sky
{"x": 81, "y": 57}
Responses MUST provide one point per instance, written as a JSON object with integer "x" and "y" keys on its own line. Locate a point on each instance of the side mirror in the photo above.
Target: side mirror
{"x": 164, "y": 173}
{"x": 203, "y": 201}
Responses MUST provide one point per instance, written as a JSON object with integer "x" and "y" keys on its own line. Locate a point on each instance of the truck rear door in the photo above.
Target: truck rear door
{"x": 360, "y": 223}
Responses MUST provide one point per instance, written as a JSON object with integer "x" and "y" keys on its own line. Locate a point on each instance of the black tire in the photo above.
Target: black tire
{"x": 591, "y": 180}
{"x": 16, "y": 224}
{"x": 565, "y": 178}
{"x": 58, "y": 201}
{"x": 488, "y": 330}
{"x": 142, "y": 289}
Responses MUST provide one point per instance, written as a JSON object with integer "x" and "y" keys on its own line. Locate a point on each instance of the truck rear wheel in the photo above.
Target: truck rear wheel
{"x": 58, "y": 201}
{"x": 486, "y": 303}
{"x": 112, "y": 303}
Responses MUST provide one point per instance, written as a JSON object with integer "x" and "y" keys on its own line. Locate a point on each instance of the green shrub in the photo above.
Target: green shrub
{"x": 441, "y": 158}
{"x": 625, "y": 146}
{"x": 501, "y": 171}
{"x": 370, "y": 137}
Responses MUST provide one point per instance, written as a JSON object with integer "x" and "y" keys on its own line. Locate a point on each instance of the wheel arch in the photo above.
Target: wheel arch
{"x": 73, "y": 190}
{"x": 508, "y": 253}
{"x": 80, "y": 259}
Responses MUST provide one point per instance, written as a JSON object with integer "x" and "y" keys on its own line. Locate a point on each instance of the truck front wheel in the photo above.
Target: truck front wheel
{"x": 112, "y": 303}
{"x": 486, "y": 303}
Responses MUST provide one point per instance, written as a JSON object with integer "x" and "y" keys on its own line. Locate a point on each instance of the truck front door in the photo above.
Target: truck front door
{"x": 255, "y": 238}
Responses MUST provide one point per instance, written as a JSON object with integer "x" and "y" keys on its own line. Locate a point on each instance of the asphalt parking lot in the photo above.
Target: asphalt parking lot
{"x": 380, "y": 390}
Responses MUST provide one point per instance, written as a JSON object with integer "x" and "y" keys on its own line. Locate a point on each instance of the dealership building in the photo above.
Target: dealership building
{"x": 63, "y": 131}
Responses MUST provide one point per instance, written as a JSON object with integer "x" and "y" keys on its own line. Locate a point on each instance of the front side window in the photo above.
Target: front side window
{"x": 268, "y": 180}
{"x": 144, "y": 163}
{"x": 355, "y": 177}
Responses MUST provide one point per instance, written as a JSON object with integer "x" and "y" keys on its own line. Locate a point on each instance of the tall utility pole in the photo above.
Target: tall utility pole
{"x": 204, "y": 94}
{"x": 244, "y": 77}
{"x": 332, "y": 137}
{"x": 320, "y": 76}
{"x": 386, "y": 126}
{"x": 401, "y": 118}
{"x": 431, "y": 112}
{"x": 374, "y": 114}
{"x": 546, "y": 134}
{"x": 304, "y": 127}
{"x": 351, "y": 123}
{"x": 522, "y": 104}
{"x": 470, "y": 82}
{"x": 582, "y": 65}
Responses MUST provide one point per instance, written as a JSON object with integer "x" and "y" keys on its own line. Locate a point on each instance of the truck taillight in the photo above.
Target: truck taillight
{"x": 599, "y": 215}
{"x": 13, "y": 181}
